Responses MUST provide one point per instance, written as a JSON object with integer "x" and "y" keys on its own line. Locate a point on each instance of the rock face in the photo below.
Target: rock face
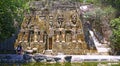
{"x": 54, "y": 28}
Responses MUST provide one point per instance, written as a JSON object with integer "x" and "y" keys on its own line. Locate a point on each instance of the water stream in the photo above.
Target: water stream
{"x": 98, "y": 45}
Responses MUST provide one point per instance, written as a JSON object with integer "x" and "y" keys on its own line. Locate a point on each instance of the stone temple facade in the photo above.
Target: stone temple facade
{"x": 52, "y": 30}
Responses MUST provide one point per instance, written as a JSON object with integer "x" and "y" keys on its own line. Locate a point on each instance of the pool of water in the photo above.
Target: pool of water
{"x": 62, "y": 64}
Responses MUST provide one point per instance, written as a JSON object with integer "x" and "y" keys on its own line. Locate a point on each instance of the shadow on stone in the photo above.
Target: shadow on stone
{"x": 68, "y": 58}
{"x": 39, "y": 58}
{"x": 57, "y": 59}
{"x": 27, "y": 57}
{"x": 50, "y": 59}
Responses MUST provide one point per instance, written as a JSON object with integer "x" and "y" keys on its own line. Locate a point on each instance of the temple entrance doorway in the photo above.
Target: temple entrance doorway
{"x": 50, "y": 43}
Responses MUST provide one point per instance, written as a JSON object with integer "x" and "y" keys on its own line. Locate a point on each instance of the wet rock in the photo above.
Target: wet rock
{"x": 39, "y": 58}
{"x": 50, "y": 59}
{"x": 27, "y": 57}
{"x": 8, "y": 57}
{"x": 4, "y": 60}
{"x": 12, "y": 61}
{"x": 68, "y": 58}
{"x": 31, "y": 60}
{"x": 2, "y": 57}
{"x": 44, "y": 60}
{"x": 57, "y": 59}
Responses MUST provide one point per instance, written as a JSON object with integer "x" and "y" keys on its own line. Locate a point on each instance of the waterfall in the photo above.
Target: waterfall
{"x": 98, "y": 45}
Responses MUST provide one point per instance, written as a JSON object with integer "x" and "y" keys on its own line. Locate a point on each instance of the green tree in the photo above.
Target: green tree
{"x": 114, "y": 3}
{"x": 115, "y": 38}
{"x": 11, "y": 11}
{"x": 88, "y": 1}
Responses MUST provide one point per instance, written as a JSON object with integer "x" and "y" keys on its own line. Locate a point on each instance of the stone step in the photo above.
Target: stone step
{"x": 48, "y": 52}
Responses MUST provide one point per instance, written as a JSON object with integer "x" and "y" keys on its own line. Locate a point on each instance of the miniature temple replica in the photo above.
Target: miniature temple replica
{"x": 52, "y": 28}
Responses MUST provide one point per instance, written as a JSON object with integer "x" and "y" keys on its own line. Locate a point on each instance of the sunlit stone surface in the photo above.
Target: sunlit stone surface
{"x": 55, "y": 28}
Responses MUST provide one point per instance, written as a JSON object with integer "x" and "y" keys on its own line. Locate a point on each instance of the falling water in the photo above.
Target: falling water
{"x": 98, "y": 45}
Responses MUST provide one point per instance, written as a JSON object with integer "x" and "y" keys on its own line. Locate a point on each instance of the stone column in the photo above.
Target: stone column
{"x": 35, "y": 36}
{"x": 63, "y": 36}
{"x": 79, "y": 35}
{"x": 41, "y": 36}
{"x": 57, "y": 38}
{"x": 31, "y": 36}
{"x": 26, "y": 37}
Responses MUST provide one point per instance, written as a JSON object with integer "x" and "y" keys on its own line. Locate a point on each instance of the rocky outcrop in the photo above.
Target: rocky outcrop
{"x": 41, "y": 58}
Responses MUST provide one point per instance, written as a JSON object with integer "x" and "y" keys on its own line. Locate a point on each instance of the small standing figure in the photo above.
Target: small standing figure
{"x": 19, "y": 49}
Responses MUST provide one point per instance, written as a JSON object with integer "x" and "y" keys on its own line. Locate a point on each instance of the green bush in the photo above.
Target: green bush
{"x": 115, "y": 38}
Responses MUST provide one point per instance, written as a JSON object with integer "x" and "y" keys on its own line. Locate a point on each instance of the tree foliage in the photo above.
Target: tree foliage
{"x": 11, "y": 11}
{"x": 88, "y": 1}
{"x": 115, "y": 39}
{"x": 114, "y": 3}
